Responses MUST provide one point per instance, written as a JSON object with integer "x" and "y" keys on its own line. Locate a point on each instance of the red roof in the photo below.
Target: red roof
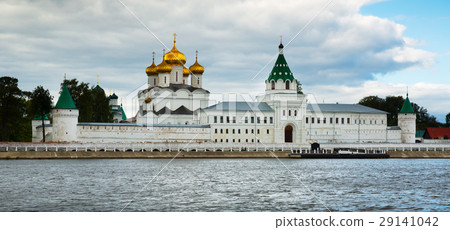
{"x": 436, "y": 133}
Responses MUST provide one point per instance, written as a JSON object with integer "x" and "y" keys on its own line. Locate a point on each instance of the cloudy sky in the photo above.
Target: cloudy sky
{"x": 340, "y": 50}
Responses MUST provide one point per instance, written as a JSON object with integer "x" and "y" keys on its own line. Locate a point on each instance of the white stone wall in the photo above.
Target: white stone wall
{"x": 345, "y": 127}
{"x": 133, "y": 133}
{"x": 240, "y": 126}
{"x": 64, "y": 125}
{"x": 36, "y": 135}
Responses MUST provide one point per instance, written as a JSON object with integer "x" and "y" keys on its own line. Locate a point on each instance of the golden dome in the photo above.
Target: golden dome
{"x": 196, "y": 68}
{"x": 185, "y": 72}
{"x": 163, "y": 67}
{"x": 174, "y": 56}
{"x": 151, "y": 70}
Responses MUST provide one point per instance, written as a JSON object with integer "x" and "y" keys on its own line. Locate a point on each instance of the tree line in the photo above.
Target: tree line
{"x": 18, "y": 107}
{"x": 393, "y": 104}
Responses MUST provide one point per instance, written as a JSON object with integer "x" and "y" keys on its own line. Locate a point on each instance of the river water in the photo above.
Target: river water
{"x": 225, "y": 185}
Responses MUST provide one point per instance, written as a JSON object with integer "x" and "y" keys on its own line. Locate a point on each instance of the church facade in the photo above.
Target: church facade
{"x": 175, "y": 108}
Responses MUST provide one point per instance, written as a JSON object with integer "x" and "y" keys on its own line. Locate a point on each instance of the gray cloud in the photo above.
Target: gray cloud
{"x": 42, "y": 40}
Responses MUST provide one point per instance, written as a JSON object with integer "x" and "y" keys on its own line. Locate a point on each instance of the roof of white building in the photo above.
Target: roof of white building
{"x": 142, "y": 125}
{"x": 240, "y": 106}
{"x": 342, "y": 108}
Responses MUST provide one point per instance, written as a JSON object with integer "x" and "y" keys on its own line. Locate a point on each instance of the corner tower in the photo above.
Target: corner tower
{"x": 65, "y": 118}
{"x": 281, "y": 78}
{"x": 407, "y": 122}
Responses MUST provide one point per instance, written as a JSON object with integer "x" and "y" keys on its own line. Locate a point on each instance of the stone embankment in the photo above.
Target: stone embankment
{"x": 192, "y": 154}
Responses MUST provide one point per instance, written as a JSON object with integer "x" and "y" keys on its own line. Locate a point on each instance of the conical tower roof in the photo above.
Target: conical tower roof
{"x": 281, "y": 69}
{"x": 407, "y": 107}
{"x": 65, "y": 101}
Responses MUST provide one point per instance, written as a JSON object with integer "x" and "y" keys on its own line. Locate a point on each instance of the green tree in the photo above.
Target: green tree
{"x": 12, "y": 108}
{"x": 393, "y": 104}
{"x": 41, "y": 104}
{"x": 447, "y": 120}
{"x": 299, "y": 87}
{"x": 82, "y": 97}
{"x": 100, "y": 102}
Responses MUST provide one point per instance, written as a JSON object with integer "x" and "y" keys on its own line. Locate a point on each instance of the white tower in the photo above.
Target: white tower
{"x": 65, "y": 118}
{"x": 407, "y": 122}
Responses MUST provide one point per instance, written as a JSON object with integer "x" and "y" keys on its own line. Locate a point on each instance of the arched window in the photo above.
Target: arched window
{"x": 287, "y": 84}
{"x": 154, "y": 81}
{"x": 273, "y": 84}
{"x": 165, "y": 80}
{"x": 198, "y": 81}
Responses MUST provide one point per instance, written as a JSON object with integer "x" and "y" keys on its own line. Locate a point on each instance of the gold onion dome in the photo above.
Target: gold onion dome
{"x": 163, "y": 67}
{"x": 196, "y": 68}
{"x": 151, "y": 70}
{"x": 185, "y": 72}
{"x": 175, "y": 57}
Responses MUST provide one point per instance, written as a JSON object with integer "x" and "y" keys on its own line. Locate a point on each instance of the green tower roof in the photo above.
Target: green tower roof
{"x": 281, "y": 69}
{"x": 124, "y": 116}
{"x": 407, "y": 108}
{"x": 65, "y": 101}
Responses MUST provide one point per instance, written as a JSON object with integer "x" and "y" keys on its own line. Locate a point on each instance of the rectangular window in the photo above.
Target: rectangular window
{"x": 239, "y": 140}
{"x": 226, "y": 140}
{"x": 246, "y": 120}
{"x": 295, "y": 112}
{"x": 221, "y": 119}
{"x": 265, "y": 120}
{"x": 253, "y": 131}
{"x": 312, "y": 120}
{"x": 348, "y": 120}
{"x": 318, "y": 120}
{"x": 271, "y": 120}
{"x": 234, "y": 120}
{"x": 324, "y": 120}
{"x": 289, "y": 112}
{"x": 233, "y": 141}
{"x": 215, "y": 131}
{"x": 307, "y": 120}
{"x": 239, "y": 131}
{"x": 215, "y": 119}
{"x": 252, "y": 120}
{"x": 221, "y": 130}
{"x": 267, "y": 131}
{"x": 215, "y": 140}
{"x": 284, "y": 113}
{"x": 226, "y": 131}
{"x": 342, "y": 120}
{"x": 257, "y": 131}
{"x": 331, "y": 120}
{"x": 246, "y": 131}
{"x": 258, "y": 120}
{"x": 337, "y": 120}
{"x": 233, "y": 133}
{"x": 228, "y": 119}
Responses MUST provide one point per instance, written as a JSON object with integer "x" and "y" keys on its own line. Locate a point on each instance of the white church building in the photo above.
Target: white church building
{"x": 175, "y": 108}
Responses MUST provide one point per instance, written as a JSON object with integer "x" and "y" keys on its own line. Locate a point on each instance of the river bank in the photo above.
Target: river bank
{"x": 193, "y": 154}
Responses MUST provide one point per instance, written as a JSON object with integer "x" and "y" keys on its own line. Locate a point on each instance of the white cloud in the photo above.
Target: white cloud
{"x": 44, "y": 39}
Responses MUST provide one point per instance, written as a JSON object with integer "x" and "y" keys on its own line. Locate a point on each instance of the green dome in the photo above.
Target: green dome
{"x": 281, "y": 69}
